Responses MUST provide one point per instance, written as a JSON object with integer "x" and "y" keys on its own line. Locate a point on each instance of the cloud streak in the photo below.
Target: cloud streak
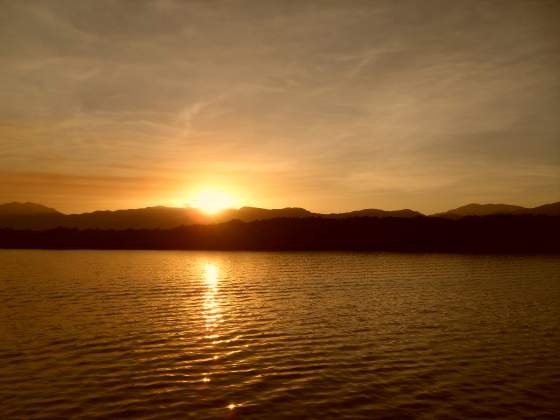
{"x": 328, "y": 105}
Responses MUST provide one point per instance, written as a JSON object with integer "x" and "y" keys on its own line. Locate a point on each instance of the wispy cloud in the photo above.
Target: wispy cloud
{"x": 325, "y": 104}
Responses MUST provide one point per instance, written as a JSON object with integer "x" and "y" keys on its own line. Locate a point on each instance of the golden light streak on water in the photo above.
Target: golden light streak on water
{"x": 209, "y": 335}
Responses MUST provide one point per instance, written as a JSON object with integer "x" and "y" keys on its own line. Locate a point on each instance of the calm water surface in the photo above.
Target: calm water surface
{"x": 110, "y": 334}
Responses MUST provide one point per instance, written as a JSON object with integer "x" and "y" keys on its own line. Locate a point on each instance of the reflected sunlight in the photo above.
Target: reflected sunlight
{"x": 211, "y": 272}
{"x": 212, "y": 310}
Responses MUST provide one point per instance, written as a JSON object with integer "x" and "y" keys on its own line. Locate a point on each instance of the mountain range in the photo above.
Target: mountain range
{"x": 552, "y": 209}
{"x": 34, "y": 216}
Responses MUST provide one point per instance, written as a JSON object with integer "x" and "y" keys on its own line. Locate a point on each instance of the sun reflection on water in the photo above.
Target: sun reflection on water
{"x": 211, "y": 274}
{"x": 212, "y": 311}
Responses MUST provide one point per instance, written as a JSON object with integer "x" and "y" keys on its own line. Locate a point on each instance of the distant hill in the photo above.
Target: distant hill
{"x": 147, "y": 218}
{"x": 161, "y": 217}
{"x": 15, "y": 208}
{"x": 497, "y": 209}
{"x": 249, "y": 214}
{"x": 33, "y": 216}
{"x": 480, "y": 210}
{"x": 374, "y": 213}
{"x": 546, "y": 210}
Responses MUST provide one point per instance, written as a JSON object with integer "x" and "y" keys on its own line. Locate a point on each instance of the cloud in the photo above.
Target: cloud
{"x": 327, "y": 104}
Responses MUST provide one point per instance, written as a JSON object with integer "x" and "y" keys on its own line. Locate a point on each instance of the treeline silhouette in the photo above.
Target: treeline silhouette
{"x": 503, "y": 234}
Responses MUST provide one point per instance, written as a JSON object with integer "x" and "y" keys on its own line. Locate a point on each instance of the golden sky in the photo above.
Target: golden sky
{"x": 327, "y": 105}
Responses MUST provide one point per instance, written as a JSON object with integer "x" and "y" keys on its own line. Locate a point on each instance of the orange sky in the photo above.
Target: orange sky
{"x": 328, "y": 105}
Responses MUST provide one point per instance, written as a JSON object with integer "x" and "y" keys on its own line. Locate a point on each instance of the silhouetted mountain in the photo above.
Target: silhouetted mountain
{"x": 496, "y": 209}
{"x": 546, "y": 210}
{"x": 159, "y": 217}
{"x": 480, "y": 210}
{"x": 374, "y": 213}
{"x": 38, "y": 217}
{"x": 15, "y": 208}
{"x": 169, "y": 217}
{"x": 503, "y": 234}
{"x": 248, "y": 214}
{"x": 147, "y": 218}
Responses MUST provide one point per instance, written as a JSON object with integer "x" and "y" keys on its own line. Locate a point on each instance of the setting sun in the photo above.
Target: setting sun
{"x": 212, "y": 201}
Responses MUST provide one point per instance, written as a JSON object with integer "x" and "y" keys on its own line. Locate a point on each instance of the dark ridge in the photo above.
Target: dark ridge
{"x": 552, "y": 209}
{"x": 490, "y": 234}
{"x": 495, "y": 209}
{"x": 162, "y": 217}
{"x": 37, "y": 217}
{"x": 475, "y": 209}
{"x": 374, "y": 213}
{"x": 16, "y": 208}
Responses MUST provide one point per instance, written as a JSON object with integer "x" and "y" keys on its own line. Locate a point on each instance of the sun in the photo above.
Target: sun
{"x": 212, "y": 200}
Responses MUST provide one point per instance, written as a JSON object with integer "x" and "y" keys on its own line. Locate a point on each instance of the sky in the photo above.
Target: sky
{"x": 327, "y": 105}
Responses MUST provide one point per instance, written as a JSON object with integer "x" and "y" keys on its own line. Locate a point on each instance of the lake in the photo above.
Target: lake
{"x": 158, "y": 334}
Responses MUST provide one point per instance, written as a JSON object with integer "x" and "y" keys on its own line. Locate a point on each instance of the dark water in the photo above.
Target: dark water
{"x": 105, "y": 334}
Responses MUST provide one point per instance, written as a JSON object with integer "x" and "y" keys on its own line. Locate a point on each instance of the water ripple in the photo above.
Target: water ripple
{"x": 152, "y": 335}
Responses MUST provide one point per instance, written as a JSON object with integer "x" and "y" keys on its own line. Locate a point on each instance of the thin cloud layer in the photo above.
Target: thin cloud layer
{"x": 328, "y": 105}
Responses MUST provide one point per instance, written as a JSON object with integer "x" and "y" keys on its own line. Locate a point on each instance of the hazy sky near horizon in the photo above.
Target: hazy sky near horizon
{"x": 327, "y": 105}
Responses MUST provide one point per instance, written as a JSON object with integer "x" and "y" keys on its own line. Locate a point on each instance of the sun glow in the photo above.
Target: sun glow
{"x": 212, "y": 201}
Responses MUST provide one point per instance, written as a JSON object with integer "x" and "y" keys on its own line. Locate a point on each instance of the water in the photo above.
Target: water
{"x": 107, "y": 334}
